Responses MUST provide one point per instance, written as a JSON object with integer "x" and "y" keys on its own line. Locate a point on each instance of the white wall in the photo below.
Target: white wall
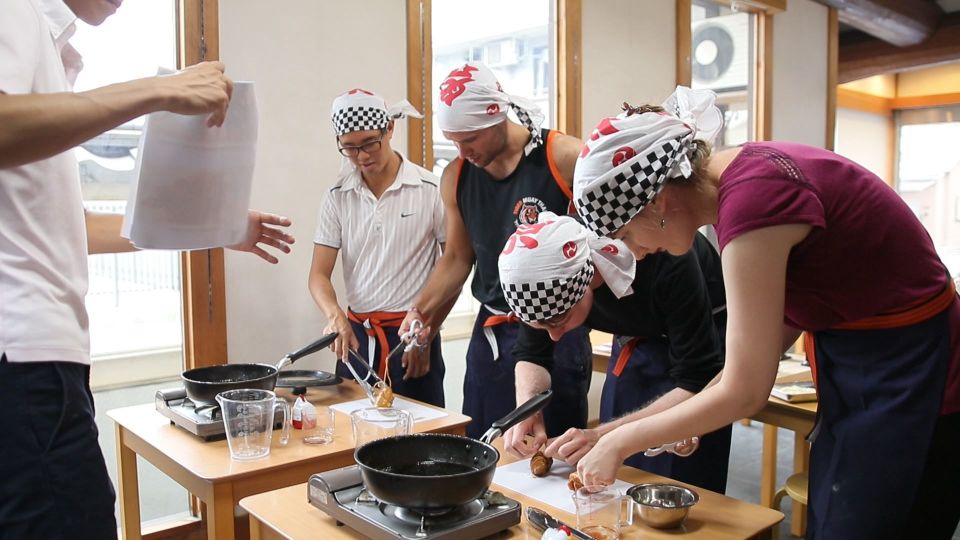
{"x": 800, "y": 73}
{"x": 301, "y": 54}
{"x": 865, "y": 138}
{"x": 629, "y": 54}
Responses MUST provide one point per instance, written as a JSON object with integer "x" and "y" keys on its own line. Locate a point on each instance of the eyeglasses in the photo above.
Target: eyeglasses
{"x": 367, "y": 148}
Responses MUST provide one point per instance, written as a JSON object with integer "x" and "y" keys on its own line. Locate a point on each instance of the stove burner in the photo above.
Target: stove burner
{"x": 204, "y": 421}
{"x": 340, "y": 493}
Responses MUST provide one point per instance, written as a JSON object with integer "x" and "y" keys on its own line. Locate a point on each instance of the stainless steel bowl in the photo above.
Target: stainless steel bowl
{"x": 662, "y": 506}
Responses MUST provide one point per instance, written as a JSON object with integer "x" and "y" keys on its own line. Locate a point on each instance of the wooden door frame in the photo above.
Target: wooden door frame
{"x": 204, "y": 290}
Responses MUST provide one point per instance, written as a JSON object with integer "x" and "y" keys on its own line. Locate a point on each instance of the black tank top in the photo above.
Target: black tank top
{"x": 492, "y": 209}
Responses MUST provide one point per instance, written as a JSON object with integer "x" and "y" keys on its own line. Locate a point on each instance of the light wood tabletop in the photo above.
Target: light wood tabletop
{"x": 286, "y": 513}
{"x": 206, "y": 470}
{"x": 797, "y": 417}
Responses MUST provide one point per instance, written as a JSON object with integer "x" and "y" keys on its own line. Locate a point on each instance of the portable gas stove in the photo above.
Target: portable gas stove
{"x": 203, "y": 421}
{"x": 340, "y": 493}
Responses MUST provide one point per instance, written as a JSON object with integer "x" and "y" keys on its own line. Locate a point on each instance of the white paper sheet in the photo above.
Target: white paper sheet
{"x": 551, "y": 490}
{"x": 192, "y": 187}
{"x": 420, "y": 413}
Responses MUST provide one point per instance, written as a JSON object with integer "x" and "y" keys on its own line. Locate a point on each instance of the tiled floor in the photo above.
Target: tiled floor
{"x": 161, "y": 497}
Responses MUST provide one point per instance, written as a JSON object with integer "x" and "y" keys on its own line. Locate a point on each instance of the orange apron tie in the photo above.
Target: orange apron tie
{"x": 374, "y": 322}
{"x": 496, "y": 318}
{"x": 913, "y": 313}
{"x": 626, "y": 351}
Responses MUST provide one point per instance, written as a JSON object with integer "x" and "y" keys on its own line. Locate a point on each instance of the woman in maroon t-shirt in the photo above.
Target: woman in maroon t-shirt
{"x": 810, "y": 241}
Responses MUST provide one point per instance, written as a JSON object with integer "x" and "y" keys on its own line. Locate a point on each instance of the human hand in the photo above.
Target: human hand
{"x": 416, "y": 362}
{"x": 346, "y": 339}
{"x": 525, "y": 438}
{"x": 600, "y": 465}
{"x": 259, "y": 231}
{"x": 199, "y": 89}
{"x": 572, "y": 445}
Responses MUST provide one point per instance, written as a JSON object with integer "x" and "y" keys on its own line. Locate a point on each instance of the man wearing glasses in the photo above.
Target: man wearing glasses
{"x": 385, "y": 214}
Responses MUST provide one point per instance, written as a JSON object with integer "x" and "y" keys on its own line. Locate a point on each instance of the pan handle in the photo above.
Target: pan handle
{"x": 321, "y": 343}
{"x": 531, "y": 407}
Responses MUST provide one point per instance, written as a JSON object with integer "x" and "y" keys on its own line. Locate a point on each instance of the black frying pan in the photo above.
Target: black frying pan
{"x": 203, "y": 384}
{"x": 433, "y": 471}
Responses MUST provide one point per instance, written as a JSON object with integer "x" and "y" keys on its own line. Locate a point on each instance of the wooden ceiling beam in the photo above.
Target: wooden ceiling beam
{"x": 897, "y": 22}
{"x": 862, "y": 57}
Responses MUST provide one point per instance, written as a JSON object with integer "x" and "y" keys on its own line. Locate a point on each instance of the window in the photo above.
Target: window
{"x": 722, "y": 56}
{"x": 518, "y": 48}
{"x": 928, "y": 174}
{"x": 134, "y": 299}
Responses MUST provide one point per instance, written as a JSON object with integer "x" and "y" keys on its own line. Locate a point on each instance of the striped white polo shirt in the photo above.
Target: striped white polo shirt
{"x": 388, "y": 246}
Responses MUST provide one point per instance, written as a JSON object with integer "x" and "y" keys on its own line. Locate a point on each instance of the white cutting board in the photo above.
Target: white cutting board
{"x": 551, "y": 490}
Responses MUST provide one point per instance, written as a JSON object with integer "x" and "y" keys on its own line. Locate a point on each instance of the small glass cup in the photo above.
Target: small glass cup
{"x": 319, "y": 425}
{"x": 600, "y": 511}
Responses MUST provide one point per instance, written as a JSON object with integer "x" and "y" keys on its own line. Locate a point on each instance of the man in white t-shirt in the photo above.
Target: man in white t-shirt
{"x": 55, "y": 482}
{"x": 385, "y": 217}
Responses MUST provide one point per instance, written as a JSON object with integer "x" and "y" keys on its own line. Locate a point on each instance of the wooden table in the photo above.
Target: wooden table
{"x": 797, "y": 417}
{"x": 286, "y": 513}
{"x": 206, "y": 470}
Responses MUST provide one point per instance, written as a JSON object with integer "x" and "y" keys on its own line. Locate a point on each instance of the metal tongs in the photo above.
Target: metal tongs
{"x": 408, "y": 340}
{"x": 368, "y": 388}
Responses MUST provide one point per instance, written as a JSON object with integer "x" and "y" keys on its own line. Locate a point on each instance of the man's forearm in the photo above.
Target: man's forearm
{"x": 440, "y": 293}
{"x": 103, "y": 234}
{"x": 37, "y": 126}
{"x": 321, "y": 288}
{"x": 530, "y": 380}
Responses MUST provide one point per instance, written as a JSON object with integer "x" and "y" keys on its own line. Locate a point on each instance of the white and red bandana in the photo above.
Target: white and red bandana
{"x": 362, "y": 110}
{"x": 627, "y": 158}
{"x": 471, "y": 98}
{"x": 545, "y": 268}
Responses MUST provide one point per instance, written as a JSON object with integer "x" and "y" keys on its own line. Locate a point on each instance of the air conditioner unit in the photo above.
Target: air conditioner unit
{"x": 721, "y": 52}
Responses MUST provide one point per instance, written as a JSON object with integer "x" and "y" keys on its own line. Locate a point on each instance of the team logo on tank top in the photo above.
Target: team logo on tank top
{"x": 527, "y": 210}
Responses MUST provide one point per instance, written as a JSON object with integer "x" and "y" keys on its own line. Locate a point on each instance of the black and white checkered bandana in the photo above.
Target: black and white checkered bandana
{"x": 362, "y": 110}
{"x": 608, "y": 206}
{"x": 542, "y": 301}
{"x": 353, "y": 119}
{"x": 627, "y": 158}
{"x": 536, "y": 138}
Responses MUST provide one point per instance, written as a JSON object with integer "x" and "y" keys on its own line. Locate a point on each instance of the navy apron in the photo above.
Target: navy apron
{"x": 644, "y": 378}
{"x": 880, "y": 393}
{"x": 428, "y": 389}
{"x": 489, "y": 391}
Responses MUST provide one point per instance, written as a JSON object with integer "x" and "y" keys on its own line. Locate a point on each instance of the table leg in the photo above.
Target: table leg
{"x": 768, "y": 465}
{"x": 129, "y": 488}
{"x": 801, "y": 463}
{"x": 220, "y": 513}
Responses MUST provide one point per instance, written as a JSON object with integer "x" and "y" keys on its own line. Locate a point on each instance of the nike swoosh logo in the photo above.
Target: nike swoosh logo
{"x": 406, "y": 214}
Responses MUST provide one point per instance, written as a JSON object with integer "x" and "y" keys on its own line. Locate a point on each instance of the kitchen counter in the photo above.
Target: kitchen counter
{"x": 206, "y": 470}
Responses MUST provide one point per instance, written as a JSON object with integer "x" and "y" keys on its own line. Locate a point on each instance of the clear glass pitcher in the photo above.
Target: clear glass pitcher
{"x": 372, "y": 423}
{"x": 248, "y": 418}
